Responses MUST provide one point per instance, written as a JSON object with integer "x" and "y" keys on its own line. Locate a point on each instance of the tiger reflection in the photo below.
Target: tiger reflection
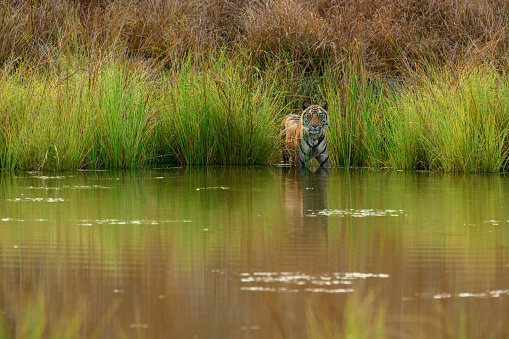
{"x": 305, "y": 196}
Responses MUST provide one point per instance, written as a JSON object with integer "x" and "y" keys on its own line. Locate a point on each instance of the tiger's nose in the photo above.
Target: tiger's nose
{"x": 314, "y": 122}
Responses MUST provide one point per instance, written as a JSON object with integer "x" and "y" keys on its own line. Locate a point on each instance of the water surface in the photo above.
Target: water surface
{"x": 257, "y": 252}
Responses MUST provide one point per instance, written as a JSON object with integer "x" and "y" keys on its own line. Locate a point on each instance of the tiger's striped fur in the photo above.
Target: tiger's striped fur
{"x": 304, "y": 135}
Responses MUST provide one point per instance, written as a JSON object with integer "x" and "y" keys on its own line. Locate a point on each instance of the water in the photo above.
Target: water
{"x": 255, "y": 253}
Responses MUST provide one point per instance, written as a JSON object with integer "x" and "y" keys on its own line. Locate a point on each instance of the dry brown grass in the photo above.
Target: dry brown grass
{"x": 386, "y": 35}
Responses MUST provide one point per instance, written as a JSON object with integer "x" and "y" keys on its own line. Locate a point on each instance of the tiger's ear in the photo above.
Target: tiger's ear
{"x": 305, "y": 105}
{"x": 325, "y": 105}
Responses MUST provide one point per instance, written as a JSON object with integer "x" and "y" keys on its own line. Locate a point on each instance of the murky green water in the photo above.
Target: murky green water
{"x": 257, "y": 252}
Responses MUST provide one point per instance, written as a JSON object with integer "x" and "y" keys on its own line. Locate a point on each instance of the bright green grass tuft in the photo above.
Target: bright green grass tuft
{"x": 227, "y": 113}
{"x": 224, "y": 111}
{"x": 442, "y": 121}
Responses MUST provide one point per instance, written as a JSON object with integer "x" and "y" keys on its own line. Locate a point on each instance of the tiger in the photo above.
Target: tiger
{"x": 304, "y": 136}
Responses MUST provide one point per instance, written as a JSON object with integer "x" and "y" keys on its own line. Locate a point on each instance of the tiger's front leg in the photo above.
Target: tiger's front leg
{"x": 301, "y": 158}
{"x": 323, "y": 159}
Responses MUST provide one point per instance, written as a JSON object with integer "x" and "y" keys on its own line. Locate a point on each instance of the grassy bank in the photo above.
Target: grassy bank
{"x": 120, "y": 84}
{"x": 115, "y": 113}
{"x": 119, "y": 115}
{"x": 447, "y": 120}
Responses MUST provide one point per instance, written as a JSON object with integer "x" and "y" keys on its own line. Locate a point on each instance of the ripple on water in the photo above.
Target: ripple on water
{"x": 86, "y": 222}
{"x": 475, "y": 295}
{"x": 360, "y": 213}
{"x": 301, "y": 282}
{"x": 213, "y": 188}
{"x": 37, "y": 199}
{"x": 46, "y": 177}
{"x": 76, "y": 187}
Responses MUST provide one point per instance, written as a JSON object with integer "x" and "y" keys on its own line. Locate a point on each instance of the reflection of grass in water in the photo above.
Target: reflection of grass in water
{"x": 44, "y": 314}
{"x": 37, "y": 315}
{"x": 362, "y": 318}
{"x": 360, "y": 315}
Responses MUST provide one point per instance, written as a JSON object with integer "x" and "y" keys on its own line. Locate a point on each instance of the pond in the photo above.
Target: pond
{"x": 255, "y": 252}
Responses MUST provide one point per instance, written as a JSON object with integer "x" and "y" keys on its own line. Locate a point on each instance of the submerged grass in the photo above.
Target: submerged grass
{"x": 362, "y": 318}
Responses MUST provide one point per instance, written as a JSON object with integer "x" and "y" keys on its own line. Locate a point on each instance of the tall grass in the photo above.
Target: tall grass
{"x": 123, "y": 113}
{"x": 448, "y": 120}
{"x": 358, "y": 107}
{"x": 42, "y": 124}
{"x": 228, "y": 113}
{"x": 119, "y": 114}
{"x": 463, "y": 120}
{"x": 116, "y": 115}
{"x": 82, "y": 118}
{"x": 122, "y": 84}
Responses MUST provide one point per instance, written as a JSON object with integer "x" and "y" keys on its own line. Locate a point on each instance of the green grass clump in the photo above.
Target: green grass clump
{"x": 227, "y": 113}
{"x": 447, "y": 120}
{"x": 123, "y": 111}
{"x": 93, "y": 118}
{"x": 357, "y": 111}
{"x": 462, "y": 120}
{"x": 113, "y": 114}
{"x": 42, "y": 124}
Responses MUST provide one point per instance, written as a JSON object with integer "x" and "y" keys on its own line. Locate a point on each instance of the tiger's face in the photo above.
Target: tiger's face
{"x": 315, "y": 117}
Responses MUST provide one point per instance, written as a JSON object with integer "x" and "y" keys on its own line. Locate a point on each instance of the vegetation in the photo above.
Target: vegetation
{"x": 121, "y": 84}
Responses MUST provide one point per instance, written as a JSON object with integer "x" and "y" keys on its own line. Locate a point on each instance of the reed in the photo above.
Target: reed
{"x": 227, "y": 113}
{"x": 123, "y": 112}
{"x": 43, "y": 126}
{"x": 119, "y": 114}
{"x": 449, "y": 120}
{"x": 114, "y": 114}
{"x": 462, "y": 120}
{"x": 82, "y": 118}
{"x": 357, "y": 111}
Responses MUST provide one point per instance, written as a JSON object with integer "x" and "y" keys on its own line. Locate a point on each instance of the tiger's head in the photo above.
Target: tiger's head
{"x": 315, "y": 117}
